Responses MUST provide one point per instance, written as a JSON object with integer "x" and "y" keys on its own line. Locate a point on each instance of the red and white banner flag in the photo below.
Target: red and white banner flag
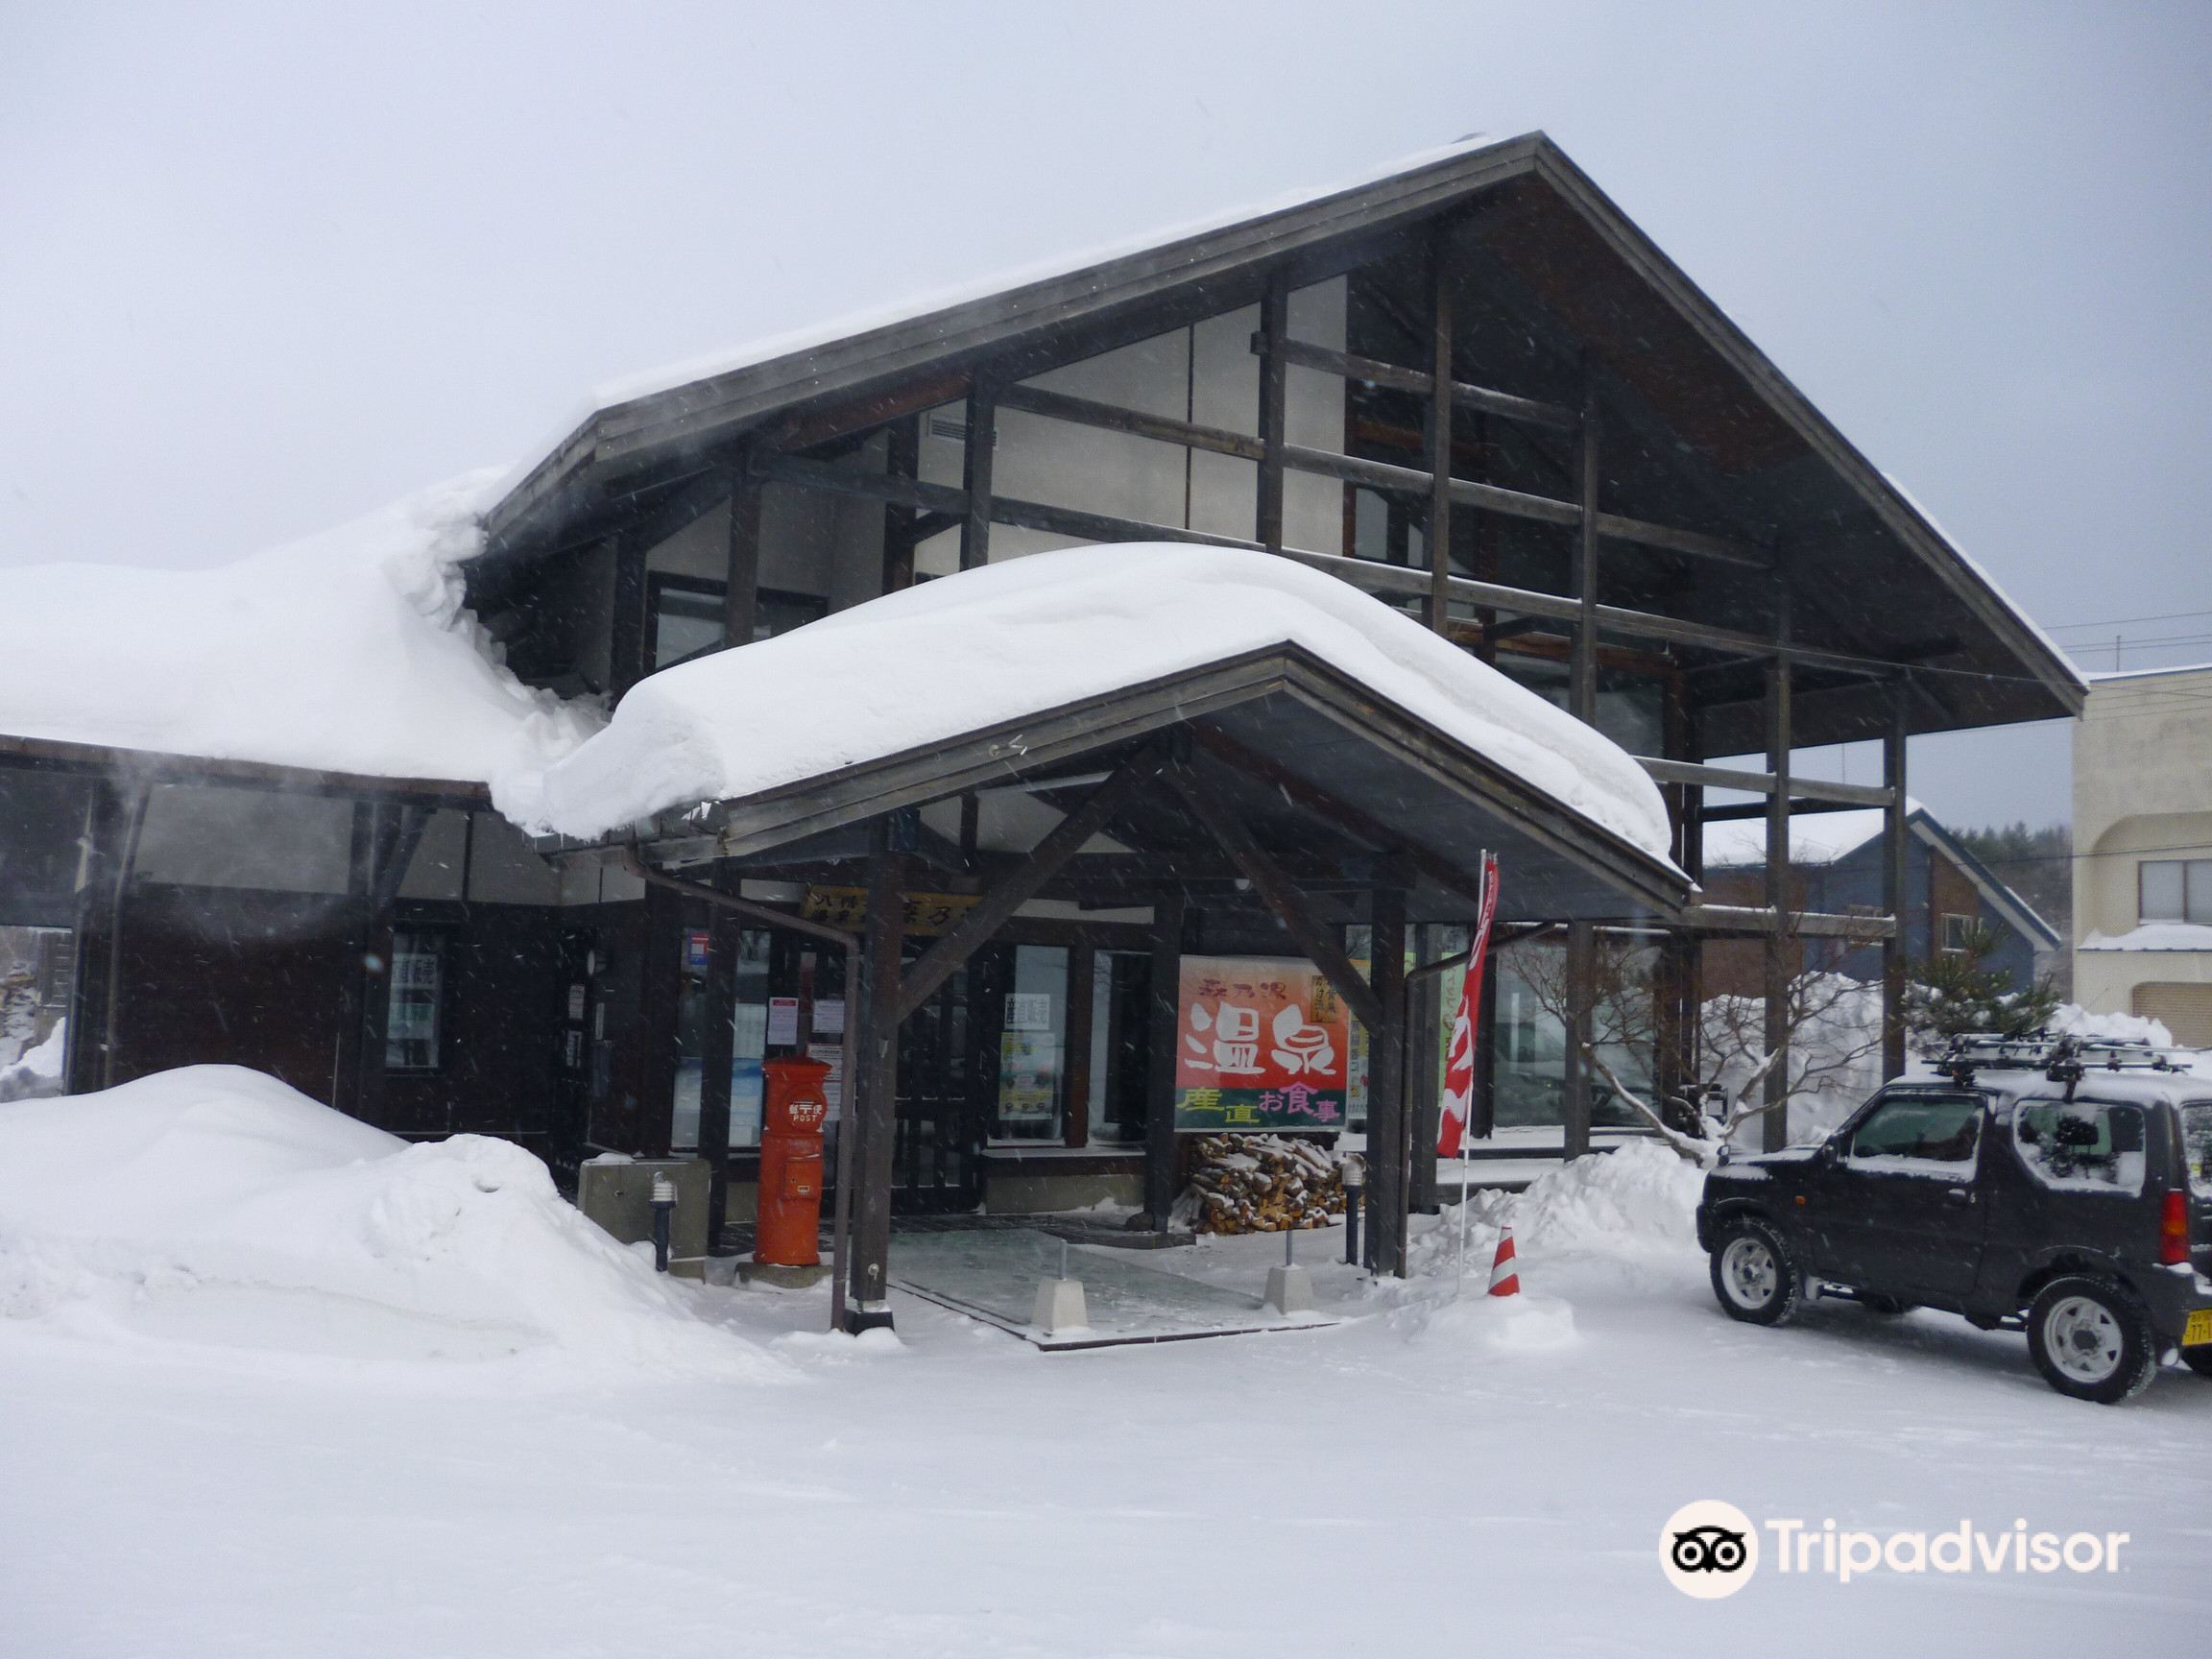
{"x": 1458, "y": 1103}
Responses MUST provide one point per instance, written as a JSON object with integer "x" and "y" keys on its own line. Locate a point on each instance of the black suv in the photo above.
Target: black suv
{"x": 2048, "y": 1185}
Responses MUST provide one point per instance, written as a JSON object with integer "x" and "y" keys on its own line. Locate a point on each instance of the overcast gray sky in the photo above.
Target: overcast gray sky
{"x": 265, "y": 267}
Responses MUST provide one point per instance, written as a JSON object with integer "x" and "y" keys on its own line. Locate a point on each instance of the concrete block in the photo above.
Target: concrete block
{"x": 1290, "y": 1289}
{"x": 1060, "y": 1307}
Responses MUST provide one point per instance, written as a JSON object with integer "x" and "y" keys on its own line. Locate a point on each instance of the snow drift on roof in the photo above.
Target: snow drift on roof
{"x": 345, "y": 652}
{"x": 972, "y": 651}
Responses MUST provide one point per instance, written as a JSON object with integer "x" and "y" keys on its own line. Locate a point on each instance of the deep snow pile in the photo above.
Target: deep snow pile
{"x": 218, "y": 1205}
{"x": 349, "y": 650}
{"x": 37, "y": 1071}
{"x": 1638, "y": 1200}
{"x": 2072, "y": 1019}
{"x": 1009, "y": 640}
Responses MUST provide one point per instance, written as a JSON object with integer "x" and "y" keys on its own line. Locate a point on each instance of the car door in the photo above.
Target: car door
{"x": 1903, "y": 1213}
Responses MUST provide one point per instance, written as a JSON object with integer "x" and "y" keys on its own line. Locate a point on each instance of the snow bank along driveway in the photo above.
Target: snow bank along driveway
{"x": 1438, "y": 1477}
{"x": 217, "y": 1205}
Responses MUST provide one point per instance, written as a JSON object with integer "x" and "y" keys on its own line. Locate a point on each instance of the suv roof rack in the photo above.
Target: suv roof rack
{"x": 2060, "y": 1058}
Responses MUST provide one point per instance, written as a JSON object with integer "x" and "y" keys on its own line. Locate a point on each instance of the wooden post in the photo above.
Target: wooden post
{"x": 725, "y": 938}
{"x": 876, "y": 1083}
{"x": 1896, "y": 949}
{"x": 1439, "y": 434}
{"x": 398, "y": 834}
{"x": 1582, "y": 685}
{"x": 975, "y": 474}
{"x": 630, "y": 652}
{"x": 1274, "y": 412}
{"x": 902, "y": 459}
{"x": 1581, "y": 1009}
{"x": 1388, "y": 1172}
{"x": 1781, "y": 942}
{"x": 741, "y": 596}
{"x": 1169, "y": 912}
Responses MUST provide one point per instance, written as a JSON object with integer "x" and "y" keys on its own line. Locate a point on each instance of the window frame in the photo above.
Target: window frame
{"x": 441, "y": 939}
{"x": 660, "y": 583}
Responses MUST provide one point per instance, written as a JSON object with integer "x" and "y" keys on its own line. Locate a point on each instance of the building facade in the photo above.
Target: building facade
{"x": 2143, "y": 848}
{"x": 1471, "y": 389}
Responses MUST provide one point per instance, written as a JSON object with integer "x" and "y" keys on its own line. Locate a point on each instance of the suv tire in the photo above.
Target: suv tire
{"x": 2090, "y": 1341}
{"x": 1755, "y": 1279}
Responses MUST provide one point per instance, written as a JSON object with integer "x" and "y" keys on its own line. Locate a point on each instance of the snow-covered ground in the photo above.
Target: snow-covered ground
{"x": 205, "y": 1448}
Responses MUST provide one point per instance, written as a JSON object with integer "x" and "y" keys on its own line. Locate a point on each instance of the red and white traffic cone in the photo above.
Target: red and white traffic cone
{"x": 1503, "y": 1280}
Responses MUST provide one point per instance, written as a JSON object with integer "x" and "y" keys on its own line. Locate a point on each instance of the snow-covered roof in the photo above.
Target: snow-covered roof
{"x": 345, "y": 652}
{"x": 2112, "y": 675}
{"x": 2154, "y": 936}
{"x": 969, "y": 653}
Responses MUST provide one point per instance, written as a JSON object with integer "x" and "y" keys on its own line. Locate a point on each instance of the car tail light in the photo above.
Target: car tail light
{"x": 2174, "y": 1231}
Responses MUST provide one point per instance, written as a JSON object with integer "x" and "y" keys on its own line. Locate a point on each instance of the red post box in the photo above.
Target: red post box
{"x": 792, "y": 1117}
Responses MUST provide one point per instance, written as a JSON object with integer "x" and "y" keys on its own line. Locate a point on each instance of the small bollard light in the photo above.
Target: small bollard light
{"x": 1355, "y": 1185}
{"x": 663, "y": 1208}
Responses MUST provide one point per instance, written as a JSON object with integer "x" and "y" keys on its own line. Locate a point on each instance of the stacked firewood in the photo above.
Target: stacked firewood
{"x": 1262, "y": 1184}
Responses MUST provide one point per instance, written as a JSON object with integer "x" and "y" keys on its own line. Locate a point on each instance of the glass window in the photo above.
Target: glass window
{"x": 1921, "y": 1128}
{"x": 2082, "y": 1146}
{"x": 749, "y": 1037}
{"x": 1957, "y": 930}
{"x": 1032, "y": 1038}
{"x": 2176, "y": 890}
{"x": 2164, "y": 890}
{"x": 687, "y": 616}
{"x": 2197, "y": 1145}
{"x": 417, "y": 986}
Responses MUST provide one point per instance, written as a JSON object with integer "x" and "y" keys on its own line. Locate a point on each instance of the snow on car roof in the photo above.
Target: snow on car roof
{"x": 968, "y": 652}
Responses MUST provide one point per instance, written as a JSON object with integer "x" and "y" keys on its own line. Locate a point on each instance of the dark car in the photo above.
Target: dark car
{"x": 2058, "y": 1188}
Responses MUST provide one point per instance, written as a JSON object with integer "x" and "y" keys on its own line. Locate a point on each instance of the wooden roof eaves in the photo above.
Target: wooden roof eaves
{"x": 726, "y": 402}
{"x": 1043, "y": 739}
{"x": 1895, "y": 510}
{"x": 149, "y": 765}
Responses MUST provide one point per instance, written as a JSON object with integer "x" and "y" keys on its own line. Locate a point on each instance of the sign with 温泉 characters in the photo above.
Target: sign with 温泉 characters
{"x": 1260, "y": 1043}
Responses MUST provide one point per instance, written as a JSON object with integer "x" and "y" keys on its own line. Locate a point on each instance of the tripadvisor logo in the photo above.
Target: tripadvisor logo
{"x": 1709, "y": 1550}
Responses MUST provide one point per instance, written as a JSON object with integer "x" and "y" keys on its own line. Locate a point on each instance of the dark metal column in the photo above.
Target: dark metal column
{"x": 876, "y": 1083}
{"x": 1896, "y": 949}
{"x": 1161, "y": 1174}
{"x": 1388, "y": 1174}
{"x": 1426, "y": 1020}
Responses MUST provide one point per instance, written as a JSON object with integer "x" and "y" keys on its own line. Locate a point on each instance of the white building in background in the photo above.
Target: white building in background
{"x": 2143, "y": 846}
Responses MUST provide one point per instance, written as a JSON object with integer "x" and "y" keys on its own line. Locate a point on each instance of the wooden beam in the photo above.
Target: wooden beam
{"x": 1274, "y": 413}
{"x": 1895, "y": 950}
{"x": 1756, "y": 922}
{"x": 979, "y": 459}
{"x": 1763, "y": 783}
{"x": 1375, "y": 373}
{"x": 1100, "y": 527}
{"x": 1582, "y": 670}
{"x": 1281, "y": 897}
{"x": 1440, "y": 297}
{"x": 874, "y": 1088}
{"x": 805, "y": 474}
{"x": 1582, "y": 1020}
{"x": 902, "y": 525}
{"x": 1110, "y": 417}
{"x": 1780, "y": 947}
{"x": 806, "y": 428}
{"x": 1021, "y": 884}
{"x": 628, "y": 649}
{"x": 1389, "y": 1173}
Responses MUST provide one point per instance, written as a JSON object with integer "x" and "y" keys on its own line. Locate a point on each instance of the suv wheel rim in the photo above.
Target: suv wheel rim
{"x": 2083, "y": 1339}
{"x": 1748, "y": 1270}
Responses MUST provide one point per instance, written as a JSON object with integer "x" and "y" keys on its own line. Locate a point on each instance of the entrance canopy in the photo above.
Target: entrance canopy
{"x": 1343, "y": 741}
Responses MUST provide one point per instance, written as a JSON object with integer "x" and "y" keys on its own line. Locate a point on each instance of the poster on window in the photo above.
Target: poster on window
{"x": 1260, "y": 1044}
